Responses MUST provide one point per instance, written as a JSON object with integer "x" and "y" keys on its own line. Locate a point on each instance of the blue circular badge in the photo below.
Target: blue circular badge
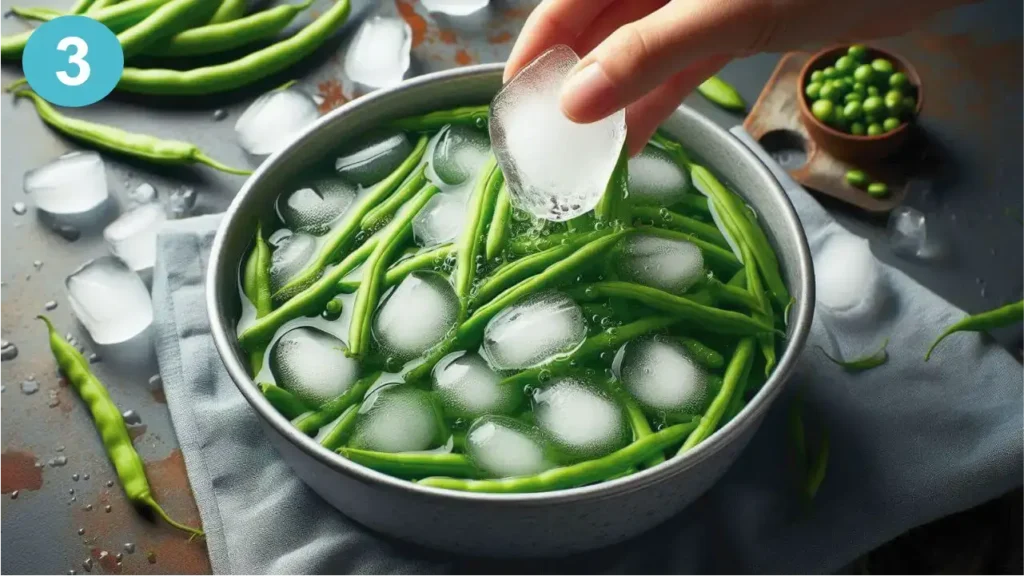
{"x": 72, "y": 61}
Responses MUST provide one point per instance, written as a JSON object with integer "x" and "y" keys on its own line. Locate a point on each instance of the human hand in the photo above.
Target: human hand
{"x": 647, "y": 55}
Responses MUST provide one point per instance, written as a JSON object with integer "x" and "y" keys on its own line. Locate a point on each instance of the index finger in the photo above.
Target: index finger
{"x": 553, "y": 22}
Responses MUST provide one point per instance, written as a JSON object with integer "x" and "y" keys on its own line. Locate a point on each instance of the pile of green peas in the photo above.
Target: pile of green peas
{"x": 861, "y": 97}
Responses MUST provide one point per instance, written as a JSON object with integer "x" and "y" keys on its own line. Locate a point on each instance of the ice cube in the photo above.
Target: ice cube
{"x": 72, "y": 184}
{"x": 467, "y": 387}
{"x": 312, "y": 364}
{"x": 315, "y": 207}
{"x": 556, "y": 169}
{"x": 661, "y": 376}
{"x": 533, "y": 331}
{"x": 378, "y": 56}
{"x": 370, "y": 160}
{"x": 273, "y": 120}
{"x": 398, "y": 418}
{"x": 582, "y": 419}
{"x": 655, "y": 178}
{"x": 663, "y": 263}
{"x": 291, "y": 256}
{"x": 455, "y": 7}
{"x": 440, "y": 220}
{"x": 143, "y": 194}
{"x": 910, "y": 234}
{"x": 110, "y": 300}
{"x": 132, "y": 237}
{"x": 181, "y": 202}
{"x": 459, "y": 153}
{"x": 847, "y": 276}
{"x": 416, "y": 315}
{"x": 503, "y": 447}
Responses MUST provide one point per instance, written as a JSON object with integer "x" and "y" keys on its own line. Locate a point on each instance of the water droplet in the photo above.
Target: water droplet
{"x": 979, "y": 281}
{"x": 984, "y": 291}
{"x": 151, "y": 557}
{"x": 58, "y": 461}
{"x": 71, "y": 491}
{"x": 75, "y": 477}
{"x": 59, "y": 448}
{"x": 38, "y": 264}
{"x": 85, "y": 476}
{"x": 103, "y": 555}
{"x": 29, "y": 387}
{"x": 219, "y": 114}
{"x": 131, "y": 417}
{"x": 8, "y": 351}
{"x": 107, "y": 508}
{"x": 81, "y": 531}
{"x": 129, "y": 548}
{"x": 87, "y": 507}
{"x": 119, "y": 556}
{"x": 51, "y": 305}
{"x": 14, "y": 495}
{"x": 19, "y": 208}
{"x": 94, "y": 358}
{"x": 155, "y": 380}
{"x": 68, "y": 232}
{"x": 72, "y": 572}
{"x": 992, "y": 251}
{"x": 87, "y": 565}
{"x": 54, "y": 399}
{"x": 110, "y": 483}
{"x": 480, "y": 122}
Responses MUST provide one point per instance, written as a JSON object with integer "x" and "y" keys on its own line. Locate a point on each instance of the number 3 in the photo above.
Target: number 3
{"x": 78, "y": 59}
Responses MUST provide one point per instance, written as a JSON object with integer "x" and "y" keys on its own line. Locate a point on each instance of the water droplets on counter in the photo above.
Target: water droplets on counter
{"x": 507, "y": 447}
{"x": 312, "y": 364}
{"x": 110, "y": 300}
{"x": 58, "y": 461}
{"x": 19, "y": 208}
{"x": 372, "y": 158}
{"x": 416, "y": 315}
{"x": 131, "y": 417}
{"x": 663, "y": 263}
{"x": 533, "y": 331}
{"x": 440, "y": 220}
{"x": 8, "y": 351}
{"x": 273, "y": 120}
{"x": 29, "y": 386}
{"x": 555, "y": 168}
{"x": 378, "y": 56}
{"x": 398, "y": 418}
{"x": 72, "y": 184}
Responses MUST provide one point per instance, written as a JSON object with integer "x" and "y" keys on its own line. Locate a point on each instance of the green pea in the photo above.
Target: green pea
{"x": 830, "y": 72}
{"x": 813, "y": 89}
{"x": 858, "y": 129}
{"x": 857, "y": 178}
{"x": 882, "y": 66}
{"x": 878, "y": 189}
{"x": 817, "y": 76}
{"x": 848, "y": 80}
{"x": 857, "y": 52}
{"x": 874, "y": 129}
{"x": 852, "y": 110}
{"x": 899, "y": 80}
{"x": 894, "y": 102}
{"x": 872, "y": 104}
{"x": 873, "y": 91}
{"x": 845, "y": 64}
{"x": 829, "y": 92}
{"x": 864, "y": 73}
{"x": 891, "y": 124}
{"x": 853, "y": 97}
{"x": 823, "y": 110}
{"x": 860, "y": 88}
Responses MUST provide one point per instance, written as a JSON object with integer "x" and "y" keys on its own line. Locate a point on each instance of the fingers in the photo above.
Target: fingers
{"x": 552, "y": 22}
{"x": 613, "y": 17}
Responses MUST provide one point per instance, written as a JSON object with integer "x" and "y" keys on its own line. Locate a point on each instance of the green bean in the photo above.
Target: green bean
{"x": 402, "y": 268}
{"x": 702, "y": 353}
{"x": 477, "y": 217}
{"x": 338, "y": 435}
{"x": 283, "y": 401}
{"x": 613, "y": 205}
{"x": 167, "y": 20}
{"x": 720, "y": 92}
{"x": 739, "y": 279}
{"x": 638, "y": 422}
{"x": 246, "y": 70}
{"x": 111, "y": 139}
{"x": 36, "y": 13}
{"x": 256, "y": 285}
{"x": 739, "y": 367}
{"x": 310, "y": 301}
{"x": 80, "y": 7}
{"x": 229, "y": 10}
{"x": 711, "y": 319}
{"x": 382, "y": 213}
{"x": 412, "y": 465}
{"x": 468, "y": 115}
{"x": 110, "y": 424}
{"x": 100, "y": 5}
{"x": 763, "y": 312}
{"x": 695, "y": 205}
{"x": 818, "y": 467}
{"x": 664, "y": 218}
{"x": 1003, "y": 316}
{"x": 720, "y": 259}
{"x": 311, "y": 423}
{"x": 558, "y": 272}
{"x": 497, "y": 233}
{"x": 222, "y": 36}
{"x": 580, "y": 474}
{"x": 873, "y": 360}
{"x": 532, "y": 245}
{"x": 373, "y": 276}
{"x": 340, "y": 237}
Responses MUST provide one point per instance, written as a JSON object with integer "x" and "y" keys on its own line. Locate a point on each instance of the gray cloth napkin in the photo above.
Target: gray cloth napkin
{"x": 910, "y": 442}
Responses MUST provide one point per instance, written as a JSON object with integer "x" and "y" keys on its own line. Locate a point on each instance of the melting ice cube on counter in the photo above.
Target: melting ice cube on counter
{"x": 132, "y": 237}
{"x": 312, "y": 364}
{"x": 273, "y": 120}
{"x": 72, "y": 184}
{"x": 110, "y": 300}
{"x": 378, "y": 56}
{"x": 848, "y": 278}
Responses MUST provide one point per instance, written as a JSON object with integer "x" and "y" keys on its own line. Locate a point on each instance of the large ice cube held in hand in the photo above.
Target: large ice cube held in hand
{"x": 371, "y": 159}
{"x": 661, "y": 376}
{"x": 504, "y": 447}
{"x": 655, "y": 178}
{"x": 314, "y": 207}
{"x": 72, "y": 184}
{"x": 110, "y": 300}
{"x": 848, "y": 279}
{"x": 663, "y": 263}
{"x": 440, "y": 220}
{"x": 533, "y": 331}
{"x": 585, "y": 421}
{"x": 455, "y": 7}
{"x": 459, "y": 153}
{"x": 416, "y": 316}
{"x": 555, "y": 168}
{"x": 378, "y": 56}
{"x": 273, "y": 120}
{"x": 312, "y": 364}
{"x": 467, "y": 387}
{"x": 398, "y": 418}
{"x": 291, "y": 256}
{"x": 132, "y": 237}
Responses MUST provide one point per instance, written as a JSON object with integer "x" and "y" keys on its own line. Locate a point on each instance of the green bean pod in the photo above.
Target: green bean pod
{"x": 468, "y": 115}
{"x": 80, "y": 7}
{"x": 1003, "y": 316}
{"x": 112, "y": 139}
{"x": 581, "y": 474}
{"x": 638, "y": 422}
{"x": 283, "y": 401}
{"x": 226, "y": 35}
{"x": 477, "y": 217}
{"x": 167, "y": 20}
{"x": 246, "y": 70}
{"x": 762, "y": 312}
{"x": 98, "y": 5}
{"x": 110, "y": 424}
{"x": 382, "y": 213}
{"x": 36, "y": 13}
{"x": 394, "y": 276}
{"x": 723, "y": 94}
{"x": 527, "y": 246}
{"x": 256, "y": 285}
{"x": 370, "y": 287}
{"x": 663, "y": 218}
{"x": 695, "y": 205}
{"x": 702, "y": 353}
{"x": 739, "y": 367}
{"x": 873, "y": 360}
{"x": 412, "y": 465}
{"x": 229, "y": 10}
{"x": 613, "y": 205}
{"x": 338, "y": 435}
{"x": 311, "y": 423}
{"x": 339, "y": 238}
{"x": 519, "y": 270}
{"x": 497, "y": 233}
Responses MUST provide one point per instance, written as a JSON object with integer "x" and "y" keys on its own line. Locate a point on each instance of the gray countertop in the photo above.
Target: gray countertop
{"x": 971, "y": 63}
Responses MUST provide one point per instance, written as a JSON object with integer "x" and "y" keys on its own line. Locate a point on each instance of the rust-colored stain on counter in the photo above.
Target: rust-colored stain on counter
{"x": 418, "y": 23}
{"x": 500, "y": 38}
{"x": 463, "y": 58}
{"x": 158, "y": 395}
{"x": 18, "y": 471}
{"x": 447, "y": 36}
{"x": 333, "y": 95}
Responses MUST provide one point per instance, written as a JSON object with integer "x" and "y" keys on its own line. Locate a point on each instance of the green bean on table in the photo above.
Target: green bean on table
{"x": 131, "y": 472}
{"x": 37, "y": 13}
{"x": 580, "y": 474}
{"x": 167, "y": 20}
{"x": 283, "y": 401}
{"x": 723, "y": 94}
{"x": 1003, "y": 316}
{"x": 413, "y": 465}
{"x": 113, "y": 139}
{"x": 311, "y": 423}
{"x": 739, "y": 367}
{"x": 873, "y": 360}
{"x": 478, "y": 215}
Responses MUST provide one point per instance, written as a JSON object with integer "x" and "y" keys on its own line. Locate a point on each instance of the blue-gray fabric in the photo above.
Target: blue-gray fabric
{"x": 910, "y": 442}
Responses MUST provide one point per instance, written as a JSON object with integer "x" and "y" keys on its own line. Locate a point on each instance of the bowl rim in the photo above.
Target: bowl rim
{"x": 801, "y": 317}
{"x": 811, "y": 65}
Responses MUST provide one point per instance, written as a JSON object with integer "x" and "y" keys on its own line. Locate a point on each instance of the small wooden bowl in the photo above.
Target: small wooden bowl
{"x": 843, "y": 144}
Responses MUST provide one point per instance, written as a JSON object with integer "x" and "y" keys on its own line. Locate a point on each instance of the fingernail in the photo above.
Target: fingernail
{"x": 588, "y": 93}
